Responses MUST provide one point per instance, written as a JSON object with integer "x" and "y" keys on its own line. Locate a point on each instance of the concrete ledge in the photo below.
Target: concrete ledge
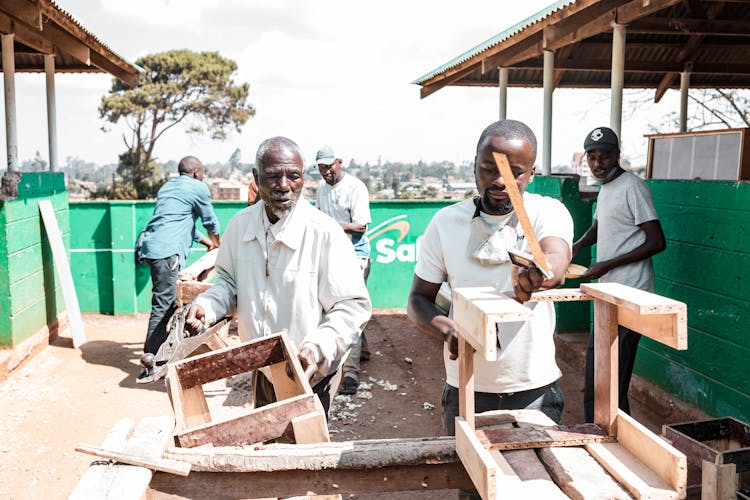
{"x": 12, "y": 358}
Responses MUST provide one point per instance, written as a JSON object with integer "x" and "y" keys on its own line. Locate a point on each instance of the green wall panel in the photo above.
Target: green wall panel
{"x": 30, "y": 289}
{"x": 701, "y": 194}
{"x": 92, "y": 274}
{"x": 712, "y": 227}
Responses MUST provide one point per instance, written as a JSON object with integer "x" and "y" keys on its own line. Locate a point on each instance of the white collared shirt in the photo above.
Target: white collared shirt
{"x": 299, "y": 276}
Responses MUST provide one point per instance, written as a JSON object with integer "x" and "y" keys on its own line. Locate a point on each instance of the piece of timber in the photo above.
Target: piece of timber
{"x": 187, "y": 291}
{"x": 194, "y": 271}
{"x": 365, "y": 454}
{"x": 559, "y": 295}
{"x": 160, "y": 464}
{"x": 487, "y": 470}
{"x": 150, "y": 439}
{"x": 321, "y": 482}
{"x": 659, "y": 318}
{"x": 254, "y": 426}
{"x": 542, "y": 437}
{"x": 718, "y": 482}
{"x": 477, "y": 310}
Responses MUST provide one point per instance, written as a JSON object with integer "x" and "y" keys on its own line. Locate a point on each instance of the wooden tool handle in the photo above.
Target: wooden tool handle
{"x": 515, "y": 198}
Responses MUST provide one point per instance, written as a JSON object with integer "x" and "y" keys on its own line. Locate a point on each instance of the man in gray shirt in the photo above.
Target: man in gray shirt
{"x": 627, "y": 233}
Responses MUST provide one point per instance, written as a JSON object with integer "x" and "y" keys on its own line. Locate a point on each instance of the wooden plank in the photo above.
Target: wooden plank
{"x": 542, "y": 437}
{"x": 579, "y": 475}
{"x": 189, "y": 405}
{"x": 633, "y": 474}
{"x": 149, "y": 440}
{"x": 718, "y": 482}
{"x": 559, "y": 295}
{"x": 312, "y": 427}
{"x": 669, "y": 329}
{"x": 477, "y": 310}
{"x": 224, "y": 363}
{"x": 658, "y": 455}
{"x": 187, "y": 291}
{"x": 284, "y": 386}
{"x": 292, "y": 357}
{"x": 363, "y": 454}
{"x": 160, "y": 464}
{"x": 605, "y": 365}
{"x": 486, "y": 469}
{"x": 536, "y": 481}
{"x": 631, "y": 298}
{"x": 511, "y": 188}
{"x": 198, "y": 268}
{"x": 62, "y": 266}
{"x": 251, "y": 426}
{"x": 466, "y": 381}
{"x": 288, "y": 483}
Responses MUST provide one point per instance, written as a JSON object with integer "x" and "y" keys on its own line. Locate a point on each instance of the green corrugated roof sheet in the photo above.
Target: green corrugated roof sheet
{"x": 500, "y": 37}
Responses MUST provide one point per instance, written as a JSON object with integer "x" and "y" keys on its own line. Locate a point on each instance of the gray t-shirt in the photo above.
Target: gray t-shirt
{"x": 623, "y": 204}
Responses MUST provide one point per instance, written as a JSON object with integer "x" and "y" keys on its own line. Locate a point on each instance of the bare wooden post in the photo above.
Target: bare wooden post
{"x": 605, "y": 365}
{"x": 466, "y": 381}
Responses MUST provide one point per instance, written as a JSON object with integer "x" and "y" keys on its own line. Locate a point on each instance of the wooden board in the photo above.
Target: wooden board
{"x": 519, "y": 438}
{"x": 466, "y": 381}
{"x": 483, "y": 467}
{"x": 154, "y": 463}
{"x": 515, "y": 198}
{"x": 197, "y": 270}
{"x": 605, "y": 365}
{"x": 62, "y": 266}
{"x": 477, "y": 310}
{"x": 559, "y": 295}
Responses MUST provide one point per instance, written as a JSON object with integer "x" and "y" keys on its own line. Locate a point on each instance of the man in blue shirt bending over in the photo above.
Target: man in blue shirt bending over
{"x": 166, "y": 242}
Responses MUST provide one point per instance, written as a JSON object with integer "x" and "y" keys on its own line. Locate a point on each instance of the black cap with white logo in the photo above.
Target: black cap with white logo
{"x": 601, "y": 138}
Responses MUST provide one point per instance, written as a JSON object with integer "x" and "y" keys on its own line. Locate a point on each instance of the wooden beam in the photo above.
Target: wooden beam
{"x": 466, "y": 381}
{"x": 668, "y": 329}
{"x": 67, "y": 43}
{"x": 129, "y": 77}
{"x": 605, "y": 366}
{"x": 431, "y": 88}
{"x": 631, "y": 66}
{"x": 525, "y": 49}
{"x": 153, "y": 463}
{"x": 631, "y": 298}
{"x": 487, "y": 470}
{"x": 687, "y": 26}
{"x": 25, "y": 34}
{"x": 542, "y": 437}
{"x": 24, "y": 11}
{"x": 559, "y": 295}
{"x": 321, "y": 482}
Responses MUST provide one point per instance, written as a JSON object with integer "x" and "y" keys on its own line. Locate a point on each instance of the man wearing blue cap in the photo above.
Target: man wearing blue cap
{"x": 346, "y": 200}
{"x": 627, "y": 233}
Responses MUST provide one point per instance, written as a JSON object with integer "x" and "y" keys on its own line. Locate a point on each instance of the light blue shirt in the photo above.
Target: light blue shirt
{"x": 171, "y": 230}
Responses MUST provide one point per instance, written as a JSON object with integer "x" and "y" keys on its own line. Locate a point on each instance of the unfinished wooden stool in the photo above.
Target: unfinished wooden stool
{"x": 297, "y": 406}
{"x": 638, "y": 459}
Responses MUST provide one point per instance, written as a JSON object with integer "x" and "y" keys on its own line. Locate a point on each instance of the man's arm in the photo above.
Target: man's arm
{"x": 654, "y": 243}
{"x": 206, "y": 212}
{"x": 528, "y": 281}
{"x": 588, "y": 238}
{"x": 351, "y": 227}
{"x": 422, "y": 310}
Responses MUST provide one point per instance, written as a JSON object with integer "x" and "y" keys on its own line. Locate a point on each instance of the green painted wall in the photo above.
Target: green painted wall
{"x": 30, "y": 292}
{"x": 707, "y": 266}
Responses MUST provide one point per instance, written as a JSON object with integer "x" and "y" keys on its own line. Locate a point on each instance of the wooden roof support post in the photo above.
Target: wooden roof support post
{"x": 548, "y": 77}
{"x": 618, "y": 78}
{"x": 9, "y": 81}
{"x": 49, "y": 71}
{"x": 503, "y": 96}
{"x": 684, "y": 88}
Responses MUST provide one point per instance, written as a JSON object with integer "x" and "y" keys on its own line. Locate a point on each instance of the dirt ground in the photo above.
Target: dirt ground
{"x": 63, "y": 397}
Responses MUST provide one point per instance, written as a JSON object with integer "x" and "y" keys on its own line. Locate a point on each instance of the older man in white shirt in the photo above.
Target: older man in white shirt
{"x": 285, "y": 266}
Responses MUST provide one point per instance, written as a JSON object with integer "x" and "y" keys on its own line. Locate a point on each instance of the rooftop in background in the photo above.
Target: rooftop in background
{"x": 42, "y": 27}
{"x": 710, "y": 39}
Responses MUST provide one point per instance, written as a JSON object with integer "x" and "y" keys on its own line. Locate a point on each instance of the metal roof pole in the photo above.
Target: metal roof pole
{"x": 618, "y": 78}
{"x": 503, "y": 98}
{"x": 9, "y": 83}
{"x": 684, "y": 87}
{"x": 49, "y": 71}
{"x": 549, "y": 70}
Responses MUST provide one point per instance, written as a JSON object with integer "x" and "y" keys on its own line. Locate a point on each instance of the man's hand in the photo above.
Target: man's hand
{"x": 525, "y": 282}
{"x": 307, "y": 359}
{"x": 194, "y": 321}
{"x": 596, "y": 270}
{"x": 447, "y": 327}
{"x": 215, "y": 240}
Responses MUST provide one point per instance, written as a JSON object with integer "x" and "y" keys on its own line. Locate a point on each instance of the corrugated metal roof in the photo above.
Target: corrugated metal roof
{"x": 497, "y": 39}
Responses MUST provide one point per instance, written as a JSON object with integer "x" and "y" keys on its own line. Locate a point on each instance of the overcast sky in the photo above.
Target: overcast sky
{"x": 334, "y": 72}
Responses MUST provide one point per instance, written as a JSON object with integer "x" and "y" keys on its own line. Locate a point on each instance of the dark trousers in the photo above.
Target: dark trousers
{"x": 627, "y": 348}
{"x": 264, "y": 394}
{"x": 548, "y": 399}
{"x": 163, "y": 301}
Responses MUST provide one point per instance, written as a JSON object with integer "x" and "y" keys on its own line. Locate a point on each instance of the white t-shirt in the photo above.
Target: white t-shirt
{"x": 347, "y": 201}
{"x": 622, "y": 205}
{"x": 527, "y": 358}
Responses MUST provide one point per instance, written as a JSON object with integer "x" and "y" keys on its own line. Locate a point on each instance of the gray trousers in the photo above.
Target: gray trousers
{"x": 163, "y": 301}
{"x": 351, "y": 365}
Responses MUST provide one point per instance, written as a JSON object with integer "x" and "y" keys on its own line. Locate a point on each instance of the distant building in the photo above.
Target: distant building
{"x": 222, "y": 189}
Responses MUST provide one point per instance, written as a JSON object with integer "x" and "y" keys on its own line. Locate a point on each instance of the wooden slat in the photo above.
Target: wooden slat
{"x": 579, "y": 475}
{"x": 189, "y": 405}
{"x": 639, "y": 301}
{"x": 511, "y": 188}
{"x": 668, "y": 329}
{"x": 466, "y": 381}
{"x": 477, "y": 311}
{"x": 542, "y": 437}
{"x": 559, "y": 295}
{"x": 230, "y": 361}
{"x": 292, "y": 356}
{"x": 659, "y": 456}
{"x": 605, "y": 365}
{"x": 486, "y": 469}
{"x": 718, "y": 482}
{"x": 62, "y": 266}
{"x": 199, "y": 267}
{"x": 283, "y": 386}
{"x": 160, "y": 464}
{"x": 187, "y": 291}
{"x": 252, "y": 426}
{"x": 312, "y": 427}
{"x": 535, "y": 480}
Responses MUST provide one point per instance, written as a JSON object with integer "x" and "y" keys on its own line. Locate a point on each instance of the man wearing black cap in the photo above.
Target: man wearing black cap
{"x": 627, "y": 233}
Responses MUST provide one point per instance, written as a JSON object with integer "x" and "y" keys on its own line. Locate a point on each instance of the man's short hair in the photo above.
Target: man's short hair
{"x": 188, "y": 165}
{"x": 510, "y": 129}
{"x": 277, "y": 142}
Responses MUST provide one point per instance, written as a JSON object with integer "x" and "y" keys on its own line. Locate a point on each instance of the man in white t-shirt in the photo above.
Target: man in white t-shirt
{"x": 346, "y": 200}
{"x": 465, "y": 244}
{"x": 627, "y": 232}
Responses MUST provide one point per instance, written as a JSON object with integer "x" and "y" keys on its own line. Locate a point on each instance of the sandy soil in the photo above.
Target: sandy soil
{"x": 63, "y": 397}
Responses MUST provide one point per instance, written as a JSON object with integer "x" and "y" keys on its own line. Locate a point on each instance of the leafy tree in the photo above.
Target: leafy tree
{"x": 195, "y": 89}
